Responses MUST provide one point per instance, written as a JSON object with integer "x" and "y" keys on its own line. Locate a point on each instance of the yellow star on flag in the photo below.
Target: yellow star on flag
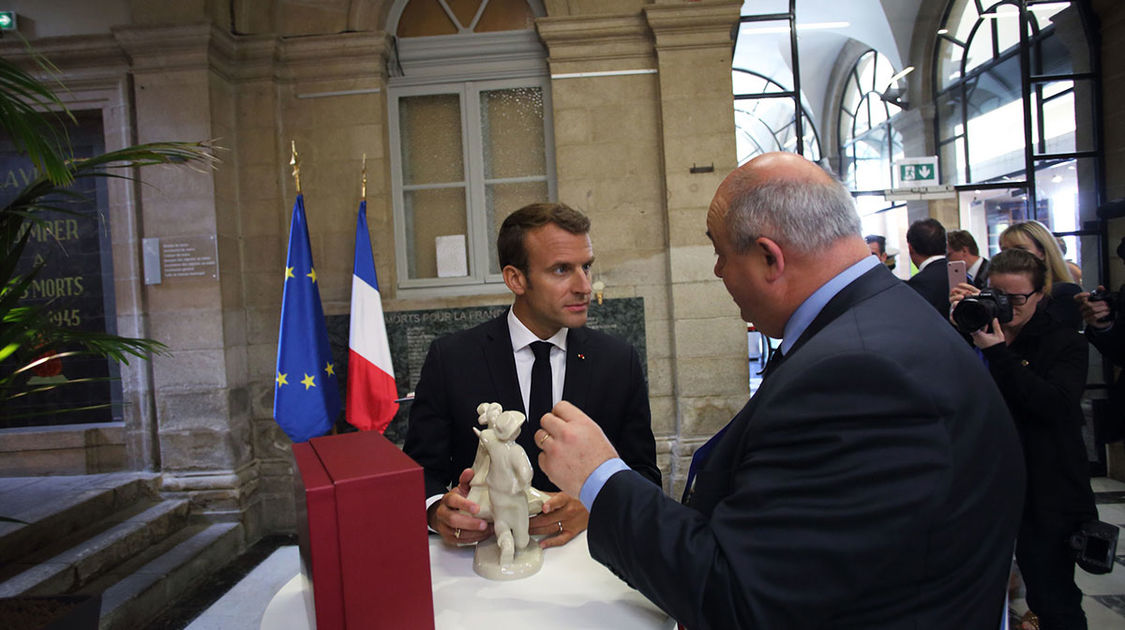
{"x": 330, "y": 370}
{"x": 282, "y": 379}
{"x": 308, "y": 382}
{"x": 312, "y": 274}
{"x": 289, "y": 273}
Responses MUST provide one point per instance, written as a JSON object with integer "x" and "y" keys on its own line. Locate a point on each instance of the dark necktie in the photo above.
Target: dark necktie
{"x": 775, "y": 360}
{"x": 539, "y": 402}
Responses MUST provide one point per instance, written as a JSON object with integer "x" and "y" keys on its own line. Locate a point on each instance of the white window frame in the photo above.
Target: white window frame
{"x": 475, "y": 184}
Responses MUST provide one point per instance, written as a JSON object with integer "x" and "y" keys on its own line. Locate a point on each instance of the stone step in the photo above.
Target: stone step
{"x": 139, "y": 589}
{"x": 74, "y": 561}
{"x": 54, "y": 508}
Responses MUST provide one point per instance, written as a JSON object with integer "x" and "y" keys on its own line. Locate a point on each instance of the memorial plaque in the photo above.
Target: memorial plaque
{"x": 409, "y": 334}
{"x": 189, "y": 257}
{"x": 74, "y": 284}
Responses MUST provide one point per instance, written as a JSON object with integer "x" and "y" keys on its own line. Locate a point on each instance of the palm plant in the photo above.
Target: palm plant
{"x": 35, "y": 119}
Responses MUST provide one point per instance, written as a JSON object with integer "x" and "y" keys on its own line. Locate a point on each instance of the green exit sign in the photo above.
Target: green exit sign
{"x": 7, "y": 20}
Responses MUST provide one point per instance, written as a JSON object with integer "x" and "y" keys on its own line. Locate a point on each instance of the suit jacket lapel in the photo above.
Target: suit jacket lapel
{"x": 576, "y": 385}
{"x": 501, "y": 364}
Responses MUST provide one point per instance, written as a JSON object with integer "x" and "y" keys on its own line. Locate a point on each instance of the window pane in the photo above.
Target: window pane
{"x": 764, "y": 48}
{"x": 878, "y": 109}
{"x": 512, "y": 132}
{"x": 852, "y": 96}
{"x": 1065, "y": 49}
{"x": 996, "y": 123}
{"x": 810, "y": 140}
{"x": 765, "y": 7}
{"x": 504, "y": 15}
{"x": 980, "y": 214}
{"x": 1007, "y": 28}
{"x": 749, "y": 83}
{"x": 988, "y": 212}
{"x": 949, "y": 114}
{"x": 949, "y": 62}
{"x": 429, "y": 214}
{"x": 1070, "y": 187}
{"x": 979, "y": 48}
{"x": 873, "y": 168}
{"x": 430, "y": 128}
{"x": 952, "y": 156}
{"x": 962, "y": 17}
{"x": 1068, "y": 114}
{"x": 761, "y": 126}
{"x": 502, "y": 200}
{"x": 424, "y": 17}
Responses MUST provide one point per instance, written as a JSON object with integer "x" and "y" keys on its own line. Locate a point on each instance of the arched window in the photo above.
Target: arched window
{"x": 763, "y": 122}
{"x": 471, "y": 140}
{"x": 1014, "y": 115}
{"x": 869, "y": 142}
{"x": 766, "y": 82}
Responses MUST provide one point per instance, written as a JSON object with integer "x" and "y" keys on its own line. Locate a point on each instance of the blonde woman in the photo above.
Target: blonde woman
{"x": 1034, "y": 237}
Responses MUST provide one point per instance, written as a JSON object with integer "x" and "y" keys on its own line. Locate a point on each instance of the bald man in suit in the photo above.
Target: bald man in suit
{"x": 873, "y": 481}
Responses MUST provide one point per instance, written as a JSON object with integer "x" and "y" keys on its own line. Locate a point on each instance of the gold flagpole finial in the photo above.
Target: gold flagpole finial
{"x": 363, "y": 189}
{"x": 296, "y": 164}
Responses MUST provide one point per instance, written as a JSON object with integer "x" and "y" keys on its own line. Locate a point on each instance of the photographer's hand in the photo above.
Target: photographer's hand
{"x": 1093, "y": 312}
{"x": 988, "y": 337}
{"x": 958, "y": 293}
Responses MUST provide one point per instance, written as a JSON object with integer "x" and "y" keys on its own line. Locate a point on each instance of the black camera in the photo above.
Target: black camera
{"x": 977, "y": 311}
{"x": 1109, "y": 297}
{"x": 1095, "y": 545}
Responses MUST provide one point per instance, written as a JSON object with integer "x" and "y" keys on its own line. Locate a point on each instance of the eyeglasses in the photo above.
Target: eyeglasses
{"x": 1019, "y": 299}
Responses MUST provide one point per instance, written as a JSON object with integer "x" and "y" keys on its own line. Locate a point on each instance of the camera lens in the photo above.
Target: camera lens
{"x": 971, "y": 314}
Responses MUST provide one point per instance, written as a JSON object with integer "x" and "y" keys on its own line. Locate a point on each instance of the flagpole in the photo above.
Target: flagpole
{"x": 296, "y": 164}
{"x": 363, "y": 187}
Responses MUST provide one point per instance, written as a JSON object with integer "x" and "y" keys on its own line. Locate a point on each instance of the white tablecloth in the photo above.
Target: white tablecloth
{"x": 571, "y": 592}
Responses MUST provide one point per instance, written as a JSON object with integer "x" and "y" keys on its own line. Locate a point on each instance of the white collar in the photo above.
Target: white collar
{"x": 929, "y": 260}
{"x": 522, "y": 337}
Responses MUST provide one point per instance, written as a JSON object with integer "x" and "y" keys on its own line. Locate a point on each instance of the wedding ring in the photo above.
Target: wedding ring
{"x": 560, "y": 527}
{"x": 546, "y": 436}
{"x": 457, "y": 533}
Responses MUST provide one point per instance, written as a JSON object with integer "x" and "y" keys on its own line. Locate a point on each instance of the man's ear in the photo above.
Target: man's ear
{"x": 515, "y": 279}
{"x": 774, "y": 257}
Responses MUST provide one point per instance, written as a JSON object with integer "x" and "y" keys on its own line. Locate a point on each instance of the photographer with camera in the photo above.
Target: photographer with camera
{"x": 1040, "y": 366}
{"x": 1104, "y": 313}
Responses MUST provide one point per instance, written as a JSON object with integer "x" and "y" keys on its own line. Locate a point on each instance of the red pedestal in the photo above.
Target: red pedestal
{"x": 362, "y": 527}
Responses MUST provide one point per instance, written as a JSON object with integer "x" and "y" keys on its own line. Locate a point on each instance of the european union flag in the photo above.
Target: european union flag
{"x": 306, "y": 395}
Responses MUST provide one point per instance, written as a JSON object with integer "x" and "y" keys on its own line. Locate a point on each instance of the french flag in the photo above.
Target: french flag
{"x": 371, "y": 376}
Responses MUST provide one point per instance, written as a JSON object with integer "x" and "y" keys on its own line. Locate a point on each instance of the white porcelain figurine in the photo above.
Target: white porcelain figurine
{"x": 501, "y": 486}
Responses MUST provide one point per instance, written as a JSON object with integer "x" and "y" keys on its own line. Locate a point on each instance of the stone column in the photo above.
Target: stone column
{"x": 709, "y": 343}
{"x": 180, "y": 92}
{"x": 606, "y": 103}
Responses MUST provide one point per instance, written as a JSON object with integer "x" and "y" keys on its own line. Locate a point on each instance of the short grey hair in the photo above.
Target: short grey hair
{"x": 805, "y": 216}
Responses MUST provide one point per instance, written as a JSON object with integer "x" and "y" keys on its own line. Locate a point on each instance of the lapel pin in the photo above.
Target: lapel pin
{"x": 581, "y": 356}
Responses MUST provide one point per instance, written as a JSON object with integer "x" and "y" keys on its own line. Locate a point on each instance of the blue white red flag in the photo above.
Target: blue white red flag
{"x": 306, "y": 394}
{"x": 371, "y": 376}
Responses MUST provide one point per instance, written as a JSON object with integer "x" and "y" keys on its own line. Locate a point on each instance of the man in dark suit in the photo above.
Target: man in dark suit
{"x": 545, "y": 256}
{"x": 925, "y": 240}
{"x": 873, "y": 481}
{"x": 962, "y": 246}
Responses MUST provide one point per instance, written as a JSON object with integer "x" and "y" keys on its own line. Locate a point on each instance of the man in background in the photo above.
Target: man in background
{"x": 925, "y": 240}
{"x": 962, "y": 246}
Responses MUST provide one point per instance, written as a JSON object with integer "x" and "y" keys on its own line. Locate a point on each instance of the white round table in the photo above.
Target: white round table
{"x": 570, "y": 592}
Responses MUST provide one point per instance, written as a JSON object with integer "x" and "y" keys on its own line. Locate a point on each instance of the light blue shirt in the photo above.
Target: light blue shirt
{"x": 811, "y": 307}
{"x": 798, "y": 322}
